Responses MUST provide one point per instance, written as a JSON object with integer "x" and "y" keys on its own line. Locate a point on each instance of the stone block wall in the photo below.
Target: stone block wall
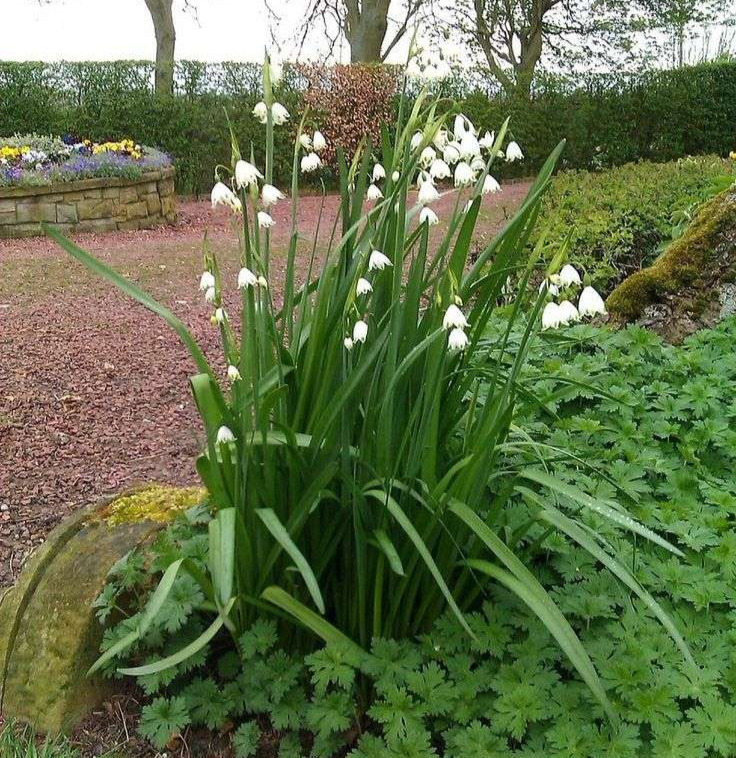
{"x": 89, "y": 205}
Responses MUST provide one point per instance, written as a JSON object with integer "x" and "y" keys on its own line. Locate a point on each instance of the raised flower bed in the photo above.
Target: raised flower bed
{"x": 82, "y": 186}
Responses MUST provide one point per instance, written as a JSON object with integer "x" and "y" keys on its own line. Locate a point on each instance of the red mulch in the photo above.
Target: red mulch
{"x": 93, "y": 388}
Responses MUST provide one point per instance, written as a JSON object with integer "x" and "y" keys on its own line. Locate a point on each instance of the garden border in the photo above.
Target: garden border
{"x": 101, "y": 204}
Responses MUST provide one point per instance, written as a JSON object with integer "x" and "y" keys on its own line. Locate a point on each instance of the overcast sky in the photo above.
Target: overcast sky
{"x": 112, "y": 29}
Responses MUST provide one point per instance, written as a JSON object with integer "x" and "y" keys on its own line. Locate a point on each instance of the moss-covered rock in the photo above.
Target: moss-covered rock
{"x": 681, "y": 290}
{"x": 49, "y": 635}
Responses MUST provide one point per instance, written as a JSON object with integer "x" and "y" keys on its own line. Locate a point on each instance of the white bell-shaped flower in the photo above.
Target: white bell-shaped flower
{"x": 363, "y": 287}
{"x": 379, "y": 172}
{"x": 206, "y": 281}
{"x": 246, "y": 278}
{"x": 270, "y": 195}
{"x": 439, "y": 169}
{"x": 210, "y": 295}
{"x": 305, "y": 141}
{"x": 416, "y": 140}
{"x": 378, "y": 261}
{"x": 568, "y": 313}
{"x": 427, "y": 193}
{"x": 490, "y": 185}
{"x": 469, "y": 147}
{"x": 551, "y": 316}
{"x": 454, "y": 318}
{"x": 279, "y": 114}
{"x": 220, "y": 316}
{"x": 260, "y": 111}
{"x": 428, "y": 215}
{"x": 246, "y": 174}
{"x": 265, "y": 220}
{"x": 319, "y": 143}
{"x": 348, "y": 342}
{"x": 374, "y": 193}
{"x": 395, "y": 176}
{"x": 224, "y": 436}
{"x": 441, "y": 139}
{"x": 591, "y": 303}
{"x": 457, "y": 340}
{"x": 569, "y": 276}
{"x": 451, "y": 153}
{"x": 233, "y": 374}
{"x": 310, "y": 162}
{"x": 360, "y": 331}
{"x": 513, "y": 152}
{"x": 464, "y": 175}
{"x": 427, "y": 156}
{"x": 223, "y": 195}
{"x": 487, "y": 140}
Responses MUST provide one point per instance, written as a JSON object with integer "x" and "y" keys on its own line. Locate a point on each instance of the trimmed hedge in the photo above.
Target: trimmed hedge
{"x": 607, "y": 119}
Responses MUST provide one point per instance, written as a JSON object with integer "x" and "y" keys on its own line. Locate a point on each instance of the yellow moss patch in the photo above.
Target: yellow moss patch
{"x": 156, "y": 502}
{"x": 684, "y": 263}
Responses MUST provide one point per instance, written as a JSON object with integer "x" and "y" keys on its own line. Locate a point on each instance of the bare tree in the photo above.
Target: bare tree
{"x": 513, "y": 35}
{"x": 162, "y": 15}
{"x": 372, "y": 28}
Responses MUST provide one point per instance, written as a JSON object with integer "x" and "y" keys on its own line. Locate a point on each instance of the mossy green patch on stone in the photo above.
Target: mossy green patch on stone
{"x": 155, "y": 502}
{"x": 702, "y": 256}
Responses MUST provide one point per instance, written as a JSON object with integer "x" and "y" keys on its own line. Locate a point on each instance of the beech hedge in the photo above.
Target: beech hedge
{"x": 607, "y": 119}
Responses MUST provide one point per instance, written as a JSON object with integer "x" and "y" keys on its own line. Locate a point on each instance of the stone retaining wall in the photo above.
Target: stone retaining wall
{"x": 89, "y": 205}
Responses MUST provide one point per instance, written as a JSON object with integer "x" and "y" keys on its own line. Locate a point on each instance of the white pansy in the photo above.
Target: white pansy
{"x": 379, "y": 172}
{"x": 567, "y": 312}
{"x": 319, "y": 142}
{"x": 439, "y": 169}
{"x": 224, "y": 436}
{"x": 378, "y": 261}
{"x": 305, "y": 141}
{"x": 246, "y": 278}
{"x": 451, "y": 153}
{"x": 220, "y": 316}
{"x": 416, "y": 140}
{"x": 454, "y": 318}
{"x": 395, "y": 177}
{"x": 374, "y": 193}
{"x": 246, "y": 174}
{"x": 490, "y": 185}
{"x": 427, "y": 193}
{"x": 260, "y": 111}
{"x": 428, "y": 215}
{"x": 457, "y": 340}
{"x": 360, "y": 331}
{"x": 233, "y": 374}
{"x": 279, "y": 114}
{"x": 464, "y": 175}
{"x": 487, "y": 140}
{"x": 265, "y": 220}
{"x": 348, "y": 342}
{"x": 310, "y": 162}
{"x": 427, "y": 156}
{"x": 206, "y": 281}
{"x": 469, "y": 146}
{"x": 569, "y": 276}
{"x": 513, "y": 152}
{"x": 210, "y": 295}
{"x": 223, "y": 195}
{"x": 363, "y": 287}
{"x": 591, "y": 303}
{"x": 551, "y": 316}
{"x": 270, "y": 195}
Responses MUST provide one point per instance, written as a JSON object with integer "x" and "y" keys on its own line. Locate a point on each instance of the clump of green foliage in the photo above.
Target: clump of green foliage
{"x": 21, "y": 742}
{"x": 616, "y": 222}
{"x": 657, "y": 433}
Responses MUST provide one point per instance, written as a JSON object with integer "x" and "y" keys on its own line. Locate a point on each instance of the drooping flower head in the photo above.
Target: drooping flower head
{"x": 591, "y": 303}
{"x": 464, "y": 175}
{"x": 360, "y": 331}
{"x": 265, "y": 220}
{"x": 223, "y": 195}
{"x": 270, "y": 195}
{"x": 246, "y": 278}
{"x": 206, "y": 281}
{"x": 233, "y": 374}
{"x": 513, "y": 152}
{"x": 363, "y": 287}
{"x": 224, "y": 436}
{"x": 551, "y": 316}
{"x": 246, "y": 174}
{"x": 490, "y": 185}
{"x": 378, "y": 261}
{"x": 428, "y": 215}
{"x": 310, "y": 162}
{"x": 569, "y": 276}
{"x": 374, "y": 193}
{"x": 427, "y": 192}
{"x": 454, "y": 318}
{"x": 319, "y": 142}
{"x": 457, "y": 340}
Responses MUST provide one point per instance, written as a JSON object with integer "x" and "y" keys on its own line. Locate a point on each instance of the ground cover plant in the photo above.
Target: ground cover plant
{"x": 659, "y": 433}
{"x": 22, "y": 743}
{"x": 615, "y": 222}
{"x": 34, "y": 160}
{"x": 362, "y": 458}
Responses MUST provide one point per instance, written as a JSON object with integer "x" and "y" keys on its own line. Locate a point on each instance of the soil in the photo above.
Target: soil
{"x": 93, "y": 388}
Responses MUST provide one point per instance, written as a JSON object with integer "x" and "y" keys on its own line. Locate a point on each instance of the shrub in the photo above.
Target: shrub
{"x": 615, "y": 222}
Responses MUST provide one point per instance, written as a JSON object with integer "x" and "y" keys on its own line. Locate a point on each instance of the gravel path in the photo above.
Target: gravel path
{"x": 93, "y": 388}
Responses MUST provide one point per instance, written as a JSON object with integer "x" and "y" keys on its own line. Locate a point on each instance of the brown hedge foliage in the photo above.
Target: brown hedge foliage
{"x": 348, "y": 102}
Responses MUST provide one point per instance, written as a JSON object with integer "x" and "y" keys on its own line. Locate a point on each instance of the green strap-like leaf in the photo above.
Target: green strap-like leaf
{"x": 159, "y": 596}
{"x": 389, "y": 550}
{"x": 395, "y": 510}
{"x": 279, "y": 533}
{"x": 222, "y": 553}
{"x": 110, "y": 653}
{"x": 186, "y": 652}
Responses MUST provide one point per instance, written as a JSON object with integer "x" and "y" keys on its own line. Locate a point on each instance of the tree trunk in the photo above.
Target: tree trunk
{"x": 366, "y": 25}
{"x": 163, "y": 26}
